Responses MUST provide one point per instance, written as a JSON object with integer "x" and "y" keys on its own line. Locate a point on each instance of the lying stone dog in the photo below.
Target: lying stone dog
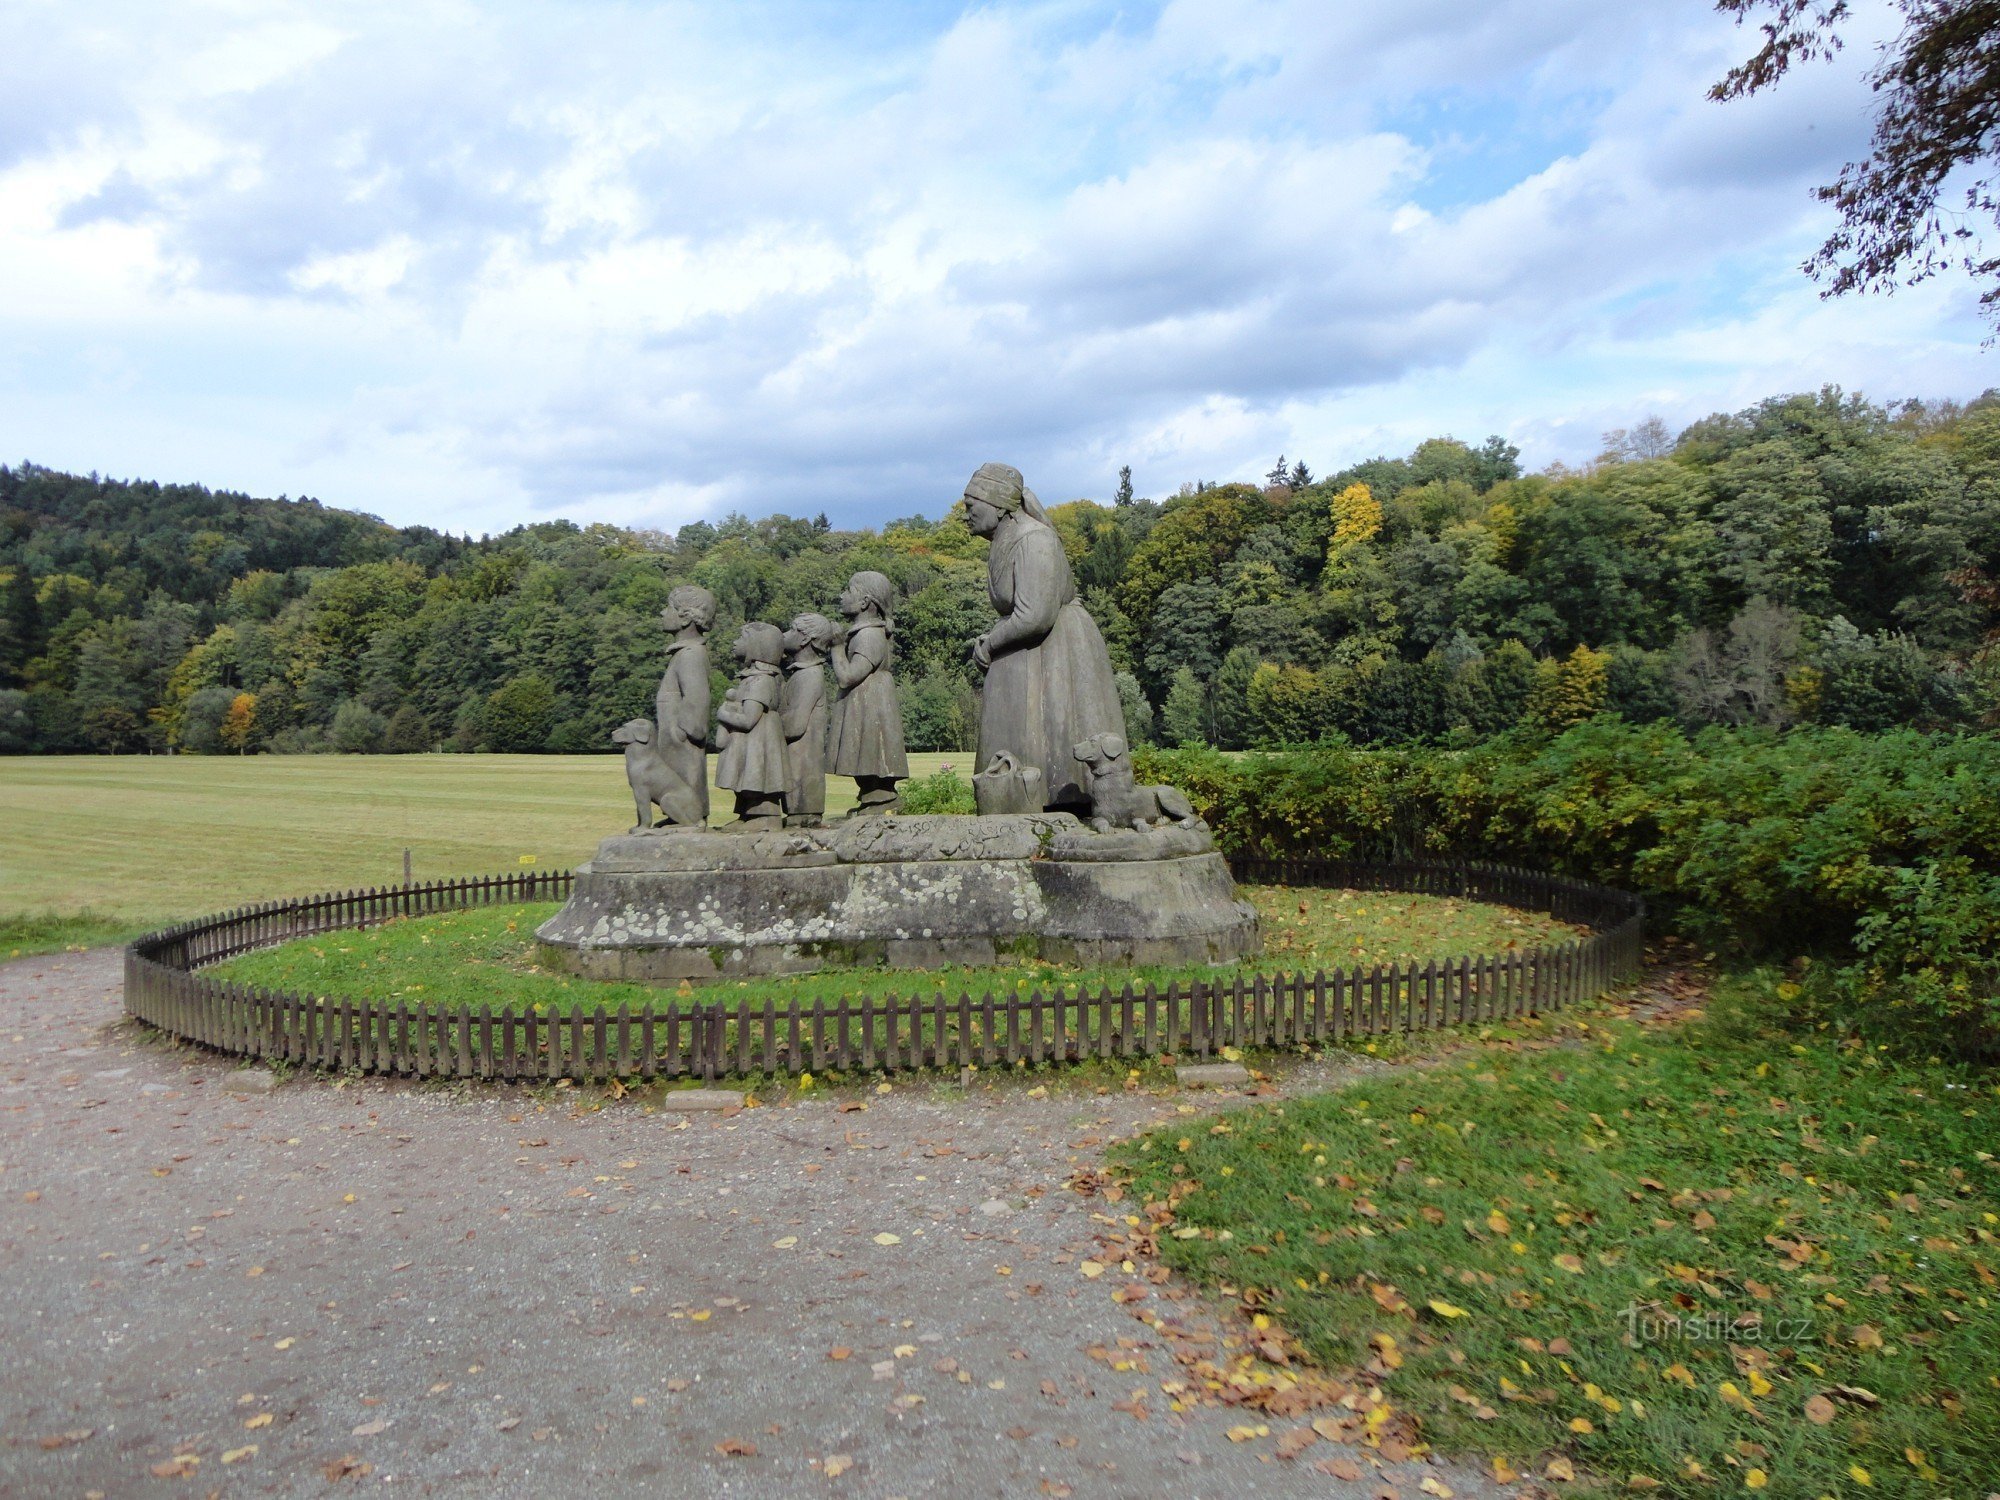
{"x": 653, "y": 780}
{"x": 1117, "y": 800}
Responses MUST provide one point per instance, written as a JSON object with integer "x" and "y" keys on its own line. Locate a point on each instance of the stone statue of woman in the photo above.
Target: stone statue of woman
{"x": 1048, "y": 676}
{"x": 681, "y": 708}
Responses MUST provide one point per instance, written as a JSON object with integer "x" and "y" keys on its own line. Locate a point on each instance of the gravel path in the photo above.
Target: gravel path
{"x": 492, "y": 1291}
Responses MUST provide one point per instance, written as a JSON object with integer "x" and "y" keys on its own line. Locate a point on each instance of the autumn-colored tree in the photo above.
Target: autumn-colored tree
{"x": 239, "y": 723}
{"x": 1570, "y": 689}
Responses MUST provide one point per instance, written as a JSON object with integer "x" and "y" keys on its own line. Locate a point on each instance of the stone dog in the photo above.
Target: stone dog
{"x": 1117, "y": 800}
{"x": 653, "y": 780}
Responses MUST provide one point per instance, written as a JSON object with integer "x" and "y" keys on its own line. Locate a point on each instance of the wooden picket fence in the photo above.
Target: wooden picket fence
{"x": 681, "y": 1037}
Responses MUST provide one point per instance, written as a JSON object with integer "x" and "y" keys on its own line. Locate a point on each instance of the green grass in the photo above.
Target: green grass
{"x": 487, "y": 955}
{"x": 137, "y": 841}
{"x": 46, "y": 932}
{"x": 1497, "y": 1216}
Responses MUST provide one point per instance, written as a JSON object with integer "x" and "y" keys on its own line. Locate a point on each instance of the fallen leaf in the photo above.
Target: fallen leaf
{"x": 237, "y": 1455}
{"x": 1570, "y": 1263}
{"x": 1340, "y": 1468}
{"x": 180, "y": 1466}
{"x": 1435, "y": 1487}
{"x": 886, "y": 1238}
{"x": 1819, "y": 1410}
{"x": 508, "y": 1424}
{"x": 262, "y": 1419}
{"x": 347, "y": 1466}
{"x": 786, "y": 1243}
{"x": 1756, "y": 1479}
{"x": 1296, "y": 1441}
{"x": 839, "y": 1351}
{"x": 1861, "y": 1476}
{"x": 736, "y": 1448}
{"x": 369, "y": 1429}
{"x": 836, "y": 1465}
{"x": 1446, "y": 1309}
{"x": 1559, "y": 1468}
{"x": 1092, "y": 1269}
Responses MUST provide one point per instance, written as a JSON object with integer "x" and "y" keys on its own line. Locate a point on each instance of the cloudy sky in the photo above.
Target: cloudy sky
{"x": 478, "y": 263}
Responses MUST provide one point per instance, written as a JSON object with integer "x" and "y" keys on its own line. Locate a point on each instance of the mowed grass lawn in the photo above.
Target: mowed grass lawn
{"x": 488, "y": 955}
{"x": 1721, "y": 1259}
{"x": 97, "y": 847}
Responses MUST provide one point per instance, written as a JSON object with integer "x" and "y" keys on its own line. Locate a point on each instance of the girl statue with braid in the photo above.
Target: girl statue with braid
{"x": 866, "y": 738}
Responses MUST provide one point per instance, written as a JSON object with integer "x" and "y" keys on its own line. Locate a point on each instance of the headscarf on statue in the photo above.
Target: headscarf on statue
{"x": 1001, "y": 486}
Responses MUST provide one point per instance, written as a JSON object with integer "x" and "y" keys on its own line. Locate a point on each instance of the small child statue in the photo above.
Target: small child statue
{"x": 752, "y": 734}
{"x": 867, "y": 734}
{"x": 804, "y": 712}
{"x": 680, "y": 710}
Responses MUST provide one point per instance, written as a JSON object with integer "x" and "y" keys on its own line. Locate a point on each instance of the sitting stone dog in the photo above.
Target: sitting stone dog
{"x": 1117, "y": 800}
{"x": 653, "y": 780}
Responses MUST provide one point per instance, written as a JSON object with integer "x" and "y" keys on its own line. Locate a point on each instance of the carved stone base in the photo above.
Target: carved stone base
{"x": 902, "y": 892}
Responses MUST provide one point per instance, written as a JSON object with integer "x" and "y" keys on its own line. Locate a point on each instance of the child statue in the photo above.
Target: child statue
{"x": 752, "y": 735}
{"x": 867, "y": 735}
{"x": 680, "y": 741}
{"x": 803, "y": 711}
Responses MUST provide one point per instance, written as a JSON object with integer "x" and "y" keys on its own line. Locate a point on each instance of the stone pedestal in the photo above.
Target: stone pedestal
{"x": 901, "y": 892}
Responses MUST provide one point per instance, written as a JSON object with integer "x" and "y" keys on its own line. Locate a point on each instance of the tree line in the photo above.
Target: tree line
{"x": 1813, "y": 559}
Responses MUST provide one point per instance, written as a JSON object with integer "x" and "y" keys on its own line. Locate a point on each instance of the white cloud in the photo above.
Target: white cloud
{"x": 472, "y": 264}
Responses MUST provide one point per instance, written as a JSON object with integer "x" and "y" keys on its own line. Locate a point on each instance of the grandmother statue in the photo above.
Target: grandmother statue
{"x": 1048, "y": 677}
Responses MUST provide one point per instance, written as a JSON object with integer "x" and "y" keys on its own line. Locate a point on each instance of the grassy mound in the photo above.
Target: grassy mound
{"x": 487, "y": 956}
{"x": 1715, "y": 1259}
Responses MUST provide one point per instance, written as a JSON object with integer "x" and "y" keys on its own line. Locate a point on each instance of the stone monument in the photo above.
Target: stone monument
{"x": 1069, "y": 859}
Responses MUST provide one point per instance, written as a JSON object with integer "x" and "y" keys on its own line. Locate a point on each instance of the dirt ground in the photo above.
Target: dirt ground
{"x": 499, "y": 1292}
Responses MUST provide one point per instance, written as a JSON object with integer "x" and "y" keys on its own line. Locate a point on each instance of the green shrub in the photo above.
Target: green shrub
{"x": 943, "y": 791}
{"x": 1876, "y": 855}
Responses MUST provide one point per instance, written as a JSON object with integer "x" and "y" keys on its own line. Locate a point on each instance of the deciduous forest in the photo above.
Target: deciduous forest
{"x": 1814, "y": 559}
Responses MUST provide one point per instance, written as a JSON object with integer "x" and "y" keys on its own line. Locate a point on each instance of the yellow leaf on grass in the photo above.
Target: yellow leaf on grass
{"x": 1497, "y": 1222}
{"x": 1861, "y": 1476}
{"x": 1581, "y": 1424}
{"x": 1446, "y": 1309}
{"x": 1559, "y": 1468}
{"x": 1759, "y": 1386}
{"x": 1679, "y": 1372}
{"x": 1570, "y": 1263}
{"x": 1756, "y": 1479}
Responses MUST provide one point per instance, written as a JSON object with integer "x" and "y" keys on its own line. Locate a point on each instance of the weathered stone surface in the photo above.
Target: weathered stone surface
{"x": 698, "y": 1100}
{"x": 249, "y": 1081}
{"x": 1212, "y": 1075}
{"x": 903, "y": 892}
